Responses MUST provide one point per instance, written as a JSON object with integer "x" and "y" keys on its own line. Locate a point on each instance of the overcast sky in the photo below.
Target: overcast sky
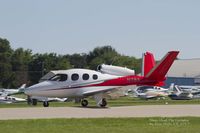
{"x": 78, "y": 26}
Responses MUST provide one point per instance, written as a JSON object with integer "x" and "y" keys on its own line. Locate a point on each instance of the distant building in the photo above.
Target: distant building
{"x": 184, "y": 72}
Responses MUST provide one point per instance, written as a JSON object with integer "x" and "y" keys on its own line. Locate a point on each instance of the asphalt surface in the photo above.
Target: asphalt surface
{"x": 79, "y": 112}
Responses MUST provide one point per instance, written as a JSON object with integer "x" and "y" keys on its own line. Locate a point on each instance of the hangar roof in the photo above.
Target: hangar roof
{"x": 185, "y": 68}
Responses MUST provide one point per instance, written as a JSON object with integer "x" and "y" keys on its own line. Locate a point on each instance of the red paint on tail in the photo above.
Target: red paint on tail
{"x": 148, "y": 63}
{"x": 160, "y": 70}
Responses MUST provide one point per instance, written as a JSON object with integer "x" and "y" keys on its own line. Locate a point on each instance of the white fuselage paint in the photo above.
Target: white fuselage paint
{"x": 70, "y": 88}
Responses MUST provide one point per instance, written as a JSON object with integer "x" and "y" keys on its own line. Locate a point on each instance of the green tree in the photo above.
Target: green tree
{"x": 99, "y": 55}
{"x": 21, "y": 66}
{"x": 78, "y": 60}
{"x": 62, "y": 63}
{"x": 109, "y": 55}
{"x": 43, "y": 63}
{"x": 6, "y": 75}
{"x": 129, "y": 62}
{"x": 20, "y": 60}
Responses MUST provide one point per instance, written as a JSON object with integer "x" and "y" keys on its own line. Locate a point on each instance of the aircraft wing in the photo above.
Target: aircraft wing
{"x": 95, "y": 91}
{"x": 49, "y": 99}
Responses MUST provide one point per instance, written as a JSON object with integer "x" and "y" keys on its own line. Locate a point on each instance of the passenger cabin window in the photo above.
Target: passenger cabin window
{"x": 95, "y": 77}
{"x": 85, "y": 76}
{"x": 75, "y": 77}
{"x": 59, "y": 77}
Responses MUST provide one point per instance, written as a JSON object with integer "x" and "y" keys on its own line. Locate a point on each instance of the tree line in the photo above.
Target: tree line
{"x": 19, "y": 66}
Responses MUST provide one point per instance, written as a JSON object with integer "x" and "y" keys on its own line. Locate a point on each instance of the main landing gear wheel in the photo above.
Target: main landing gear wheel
{"x": 103, "y": 103}
{"x": 46, "y": 104}
{"x": 84, "y": 103}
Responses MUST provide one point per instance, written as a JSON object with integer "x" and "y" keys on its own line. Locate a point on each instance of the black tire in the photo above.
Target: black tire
{"x": 104, "y": 103}
{"x": 34, "y": 102}
{"x": 46, "y": 104}
{"x": 84, "y": 103}
{"x": 29, "y": 100}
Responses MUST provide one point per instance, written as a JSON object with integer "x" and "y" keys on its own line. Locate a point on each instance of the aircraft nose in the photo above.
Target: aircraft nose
{"x": 28, "y": 92}
{"x": 32, "y": 90}
{"x": 37, "y": 89}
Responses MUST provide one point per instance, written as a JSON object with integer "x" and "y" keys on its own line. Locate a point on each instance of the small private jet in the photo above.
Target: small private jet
{"x": 82, "y": 83}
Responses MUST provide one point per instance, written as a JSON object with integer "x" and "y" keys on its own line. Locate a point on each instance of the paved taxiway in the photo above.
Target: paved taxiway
{"x": 79, "y": 112}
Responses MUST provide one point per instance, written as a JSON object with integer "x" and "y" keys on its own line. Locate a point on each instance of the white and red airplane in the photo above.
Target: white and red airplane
{"x": 81, "y": 83}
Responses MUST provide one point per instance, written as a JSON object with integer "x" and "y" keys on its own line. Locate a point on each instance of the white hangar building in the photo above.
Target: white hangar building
{"x": 184, "y": 72}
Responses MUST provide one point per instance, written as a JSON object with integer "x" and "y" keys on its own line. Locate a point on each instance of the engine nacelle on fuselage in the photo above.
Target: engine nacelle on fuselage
{"x": 115, "y": 70}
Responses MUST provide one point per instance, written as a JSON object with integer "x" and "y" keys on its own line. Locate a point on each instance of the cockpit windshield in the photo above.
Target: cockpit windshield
{"x": 59, "y": 77}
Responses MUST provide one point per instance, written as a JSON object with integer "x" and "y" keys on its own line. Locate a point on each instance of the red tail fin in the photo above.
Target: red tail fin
{"x": 148, "y": 63}
{"x": 160, "y": 70}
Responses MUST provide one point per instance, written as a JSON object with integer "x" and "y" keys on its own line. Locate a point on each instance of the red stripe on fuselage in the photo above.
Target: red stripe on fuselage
{"x": 127, "y": 80}
{"x": 121, "y": 81}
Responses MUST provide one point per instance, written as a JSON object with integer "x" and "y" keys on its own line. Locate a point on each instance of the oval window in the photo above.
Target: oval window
{"x": 75, "y": 76}
{"x": 95, "y": 77}
{"x": 85, "y": 76}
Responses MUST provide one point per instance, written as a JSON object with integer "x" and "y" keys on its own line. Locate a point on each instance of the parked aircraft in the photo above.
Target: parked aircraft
{"x": 81, "y": 83}
{"x": 179, "y": 94}
{"x": 8, "y": 92}
{"x": 151, "y": 92}
{"x": 189, "y": 88}
{"x": 11, "y": 99}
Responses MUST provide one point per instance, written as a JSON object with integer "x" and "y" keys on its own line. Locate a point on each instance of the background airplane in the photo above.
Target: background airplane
{"x": 5, "y": 95}
{"x": 11, "y": 99}
{"x": 150, "y": 92}
{"x": 8, "y": 92}
{"x": 191, "y": 89}
{"x": 81, "y": 83}
{"x": 180, "y": 94}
